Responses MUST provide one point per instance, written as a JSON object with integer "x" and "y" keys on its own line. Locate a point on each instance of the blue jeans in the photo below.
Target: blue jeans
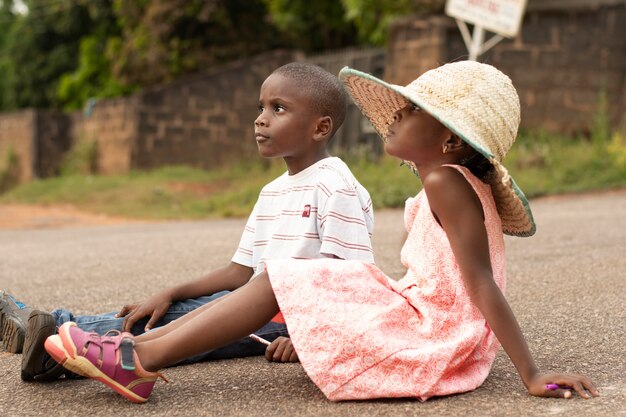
{"x": 239, "y": 349}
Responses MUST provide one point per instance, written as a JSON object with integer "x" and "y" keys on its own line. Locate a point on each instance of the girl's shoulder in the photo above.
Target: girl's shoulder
{"x": 447, "y": 179}
{"x": 453, "y": 178}
{"x": 451, "y": 187}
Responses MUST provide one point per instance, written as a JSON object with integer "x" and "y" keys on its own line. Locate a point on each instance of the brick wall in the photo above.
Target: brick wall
{"x": 562, "y": 60}
{"x": 112, "y": 124}
{"x": 54, "y": 139}
{"x": 355, "y": 135}
{"x": 206, "y": 120}
{"x": 17, "y": 134}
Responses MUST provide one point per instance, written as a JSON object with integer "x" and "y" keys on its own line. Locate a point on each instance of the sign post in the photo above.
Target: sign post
{"x": 502, "y": 17}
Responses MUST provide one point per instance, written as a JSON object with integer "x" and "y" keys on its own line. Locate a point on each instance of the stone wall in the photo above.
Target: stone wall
{"x": 53, "y": 140}
{"x": 206, "y": 120}
{"x": 17, "y": 135}
{"x": 355, "y": 135}
{"x": 112, "y": 124}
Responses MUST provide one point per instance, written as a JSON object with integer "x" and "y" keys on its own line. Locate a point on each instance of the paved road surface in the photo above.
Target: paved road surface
{"x": 567, "y": 286}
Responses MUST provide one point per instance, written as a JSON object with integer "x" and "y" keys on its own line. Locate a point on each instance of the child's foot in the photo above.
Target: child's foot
{"x": 37, "y": 365}
{"x": 110, "y": 359}
{"x": 13, "y": 317}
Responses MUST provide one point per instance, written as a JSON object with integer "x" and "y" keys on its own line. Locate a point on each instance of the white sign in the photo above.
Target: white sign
{"x": 503, "y": 17}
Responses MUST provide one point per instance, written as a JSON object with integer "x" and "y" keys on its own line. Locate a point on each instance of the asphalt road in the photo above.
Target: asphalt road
{"x": 567, "y": 286}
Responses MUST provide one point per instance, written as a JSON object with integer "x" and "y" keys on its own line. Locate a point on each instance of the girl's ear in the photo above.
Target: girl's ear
{"x": 453, "y": 143}
{"x": 323, "y": 129}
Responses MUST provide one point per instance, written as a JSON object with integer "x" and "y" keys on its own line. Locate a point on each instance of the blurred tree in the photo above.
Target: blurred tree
{"x": 93, "y": 77}
{"x": 373, "y": 17}
{"x": 162, "y": 39}
{"x": 7, "y": 17}
{"x": 312, "y": 26}
{"x": 41, "y": 46}
{"x": 62, "y": 52}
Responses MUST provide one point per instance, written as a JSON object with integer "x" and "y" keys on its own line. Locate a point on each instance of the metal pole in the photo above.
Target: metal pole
{"x": 477, "y": 42}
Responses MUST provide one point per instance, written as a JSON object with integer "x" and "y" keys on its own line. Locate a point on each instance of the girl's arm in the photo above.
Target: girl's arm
{"x": 458, "y": 209}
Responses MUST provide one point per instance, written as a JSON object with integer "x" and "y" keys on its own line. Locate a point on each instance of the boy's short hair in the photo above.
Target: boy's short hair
{"x": 324, "y": 89}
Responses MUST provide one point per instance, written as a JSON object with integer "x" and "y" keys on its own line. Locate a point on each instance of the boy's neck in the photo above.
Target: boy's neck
{"x": 296, "y": 165}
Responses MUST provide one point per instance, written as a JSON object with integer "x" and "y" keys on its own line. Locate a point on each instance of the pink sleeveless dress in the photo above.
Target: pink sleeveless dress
{"x": 360, "y": 334}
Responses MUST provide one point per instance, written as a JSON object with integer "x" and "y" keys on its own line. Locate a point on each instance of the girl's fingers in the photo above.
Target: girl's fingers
{"x": 588, "y": 388}
{"x": 578, "y": 387}
{"x": 577, "y": 383}
{"x": 558, "y": 393}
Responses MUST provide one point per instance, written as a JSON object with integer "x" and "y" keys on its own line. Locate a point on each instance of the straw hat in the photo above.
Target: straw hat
{"x": 475, "y": 101}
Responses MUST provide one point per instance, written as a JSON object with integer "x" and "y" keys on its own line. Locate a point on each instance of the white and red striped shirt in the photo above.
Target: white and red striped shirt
{"x": 319, "y": 212}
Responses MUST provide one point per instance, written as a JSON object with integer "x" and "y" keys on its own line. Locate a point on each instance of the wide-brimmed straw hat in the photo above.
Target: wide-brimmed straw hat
{"x": 475, "y": 101}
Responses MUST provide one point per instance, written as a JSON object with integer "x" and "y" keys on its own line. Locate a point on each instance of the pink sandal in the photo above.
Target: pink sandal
{"x": 110, "y": 359}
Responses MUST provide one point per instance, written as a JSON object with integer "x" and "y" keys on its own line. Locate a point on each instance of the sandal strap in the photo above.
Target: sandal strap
{"x": 127, "y": 357}
{"x": 103, "y": 350}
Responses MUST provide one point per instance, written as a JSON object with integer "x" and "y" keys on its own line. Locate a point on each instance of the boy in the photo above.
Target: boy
{"x": 316, "y": 209}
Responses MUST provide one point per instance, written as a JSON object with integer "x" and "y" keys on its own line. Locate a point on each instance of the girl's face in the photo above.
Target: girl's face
{"x": 416, "y": 136}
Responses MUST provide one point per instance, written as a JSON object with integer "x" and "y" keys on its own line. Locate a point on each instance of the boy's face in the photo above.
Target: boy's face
{"x": 286, "y": 123}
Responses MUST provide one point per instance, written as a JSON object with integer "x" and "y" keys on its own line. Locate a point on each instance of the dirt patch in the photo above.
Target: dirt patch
{"x": 23, "y": 216}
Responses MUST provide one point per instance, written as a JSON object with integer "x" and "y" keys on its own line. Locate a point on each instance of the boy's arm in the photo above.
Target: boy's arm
{"x": 229, "y": 277}
{"x": 281, "y": 350}
{"x": 458, "y": 210}
{"x": 345, "y": 227}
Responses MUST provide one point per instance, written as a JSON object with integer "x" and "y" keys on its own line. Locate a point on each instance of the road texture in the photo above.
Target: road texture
{"x": 567, "y": 286}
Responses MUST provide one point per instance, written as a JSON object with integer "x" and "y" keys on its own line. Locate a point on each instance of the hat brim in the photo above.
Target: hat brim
{"x": 379, "y": 100}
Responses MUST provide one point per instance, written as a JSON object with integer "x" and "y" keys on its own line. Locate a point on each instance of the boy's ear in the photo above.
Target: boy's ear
{"x": 323, "y": 129}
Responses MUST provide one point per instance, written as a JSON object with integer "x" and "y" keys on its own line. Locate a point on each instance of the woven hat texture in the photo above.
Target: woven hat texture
{"x": 475, "y": 101}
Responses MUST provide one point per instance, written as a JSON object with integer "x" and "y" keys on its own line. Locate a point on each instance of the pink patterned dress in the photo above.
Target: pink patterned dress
{"x": 360, "y": 334}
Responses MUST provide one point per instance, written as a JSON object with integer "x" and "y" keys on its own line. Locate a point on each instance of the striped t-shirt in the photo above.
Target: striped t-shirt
{"x": 319, "y": 212}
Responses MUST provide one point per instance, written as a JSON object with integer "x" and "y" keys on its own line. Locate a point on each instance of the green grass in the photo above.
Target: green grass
{"x": 546, "y": 164}
{"x": 541, "y": 164}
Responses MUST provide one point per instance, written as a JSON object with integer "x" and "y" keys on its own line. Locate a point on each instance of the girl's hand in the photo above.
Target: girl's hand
{"x": 542, "y": 386}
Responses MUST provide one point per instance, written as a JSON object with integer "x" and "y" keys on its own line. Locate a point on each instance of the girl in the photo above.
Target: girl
{"x": 358, "y": 333}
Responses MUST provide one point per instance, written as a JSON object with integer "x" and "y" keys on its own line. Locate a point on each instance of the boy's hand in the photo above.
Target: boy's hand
{"x": 154, "y": 307}
{"x": 281, "y": 350}
{"x": 556, "y": 385}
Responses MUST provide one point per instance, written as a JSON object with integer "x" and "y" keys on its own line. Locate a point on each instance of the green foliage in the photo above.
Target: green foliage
{"x": 601, "y": 127}
{"x": 7, "y": 18}
{"x": 372, "y": 18}
{"x": 162, "y": 40}
{"x": 61, "y": 53}
{"x": 617, "y": 152}
{"x": 10, "y": 171}
{"x": 544, "y": 164}
{"x": 166, "y": 193}
{"x": 92, "y": 78}
{"x": 42, "y": 45}
{"x": 82, "y": 159}
{"x": 388, "y": 182}
{"x": 312, "y": 26}
{"x": 316, "y": 26}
